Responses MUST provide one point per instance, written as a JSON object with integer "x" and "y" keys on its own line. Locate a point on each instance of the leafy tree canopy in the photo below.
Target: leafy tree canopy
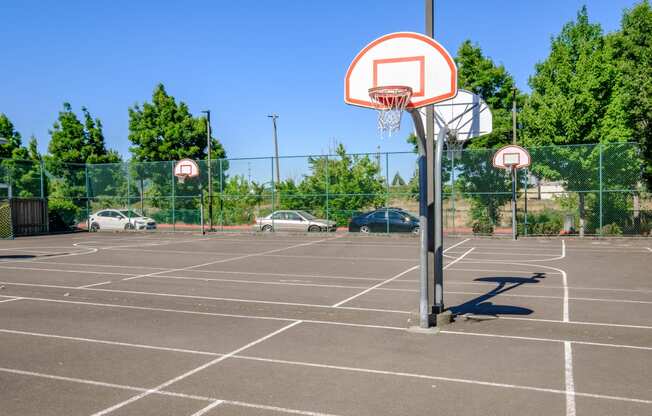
{"x": 631, "y": 53}
{"x": 166, "y": 130}
{"x": 9, "y": 133}
{"x": 75, "y": 142}
{"x": 480, "y": 75}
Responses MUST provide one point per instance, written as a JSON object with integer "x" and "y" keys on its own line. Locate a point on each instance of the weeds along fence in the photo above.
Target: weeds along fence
{"x": 588, "y": 189}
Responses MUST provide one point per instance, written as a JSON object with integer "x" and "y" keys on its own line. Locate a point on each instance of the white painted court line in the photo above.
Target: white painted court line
{"x": 649, "y": 249}
{"x": 292, "y": 275}
{"x": 63, "y": 270}
{"x": 338, "y": 304}
{"x": 194, "y": 371}
{"x": 399, "y": 275}
{"x": 499, "y": 270}
{"x": 208, "y": 408}
{"x": 568, "y": 376}
{"x": 9, "y": 300}
{"x": 100, "y": 265}
{"x": 100, "y": 341}
{"x": 259, "y": 282}
{"x": 174, "y": 295}
{"x": 161, "y": 392}
{"x": 229, "y": 259}
{"x": 576, "y": 322}
{"x": 292, "y": 256}
{"x": 309, "y": 321}
{"x": 94, "y": 284}
{"x": 466, "y": 253}
{"x": 438, "y": 378}
{"x": 513, "y": 295}
{"x": 455, "y": 245}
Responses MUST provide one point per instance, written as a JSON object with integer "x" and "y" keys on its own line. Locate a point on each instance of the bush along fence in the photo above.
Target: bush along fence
{"x": 583, "y": 190}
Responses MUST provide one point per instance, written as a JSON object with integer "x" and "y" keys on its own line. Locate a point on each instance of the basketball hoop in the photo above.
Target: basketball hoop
{"x": 186, "y": 168}
{"x": 390, "y": 102}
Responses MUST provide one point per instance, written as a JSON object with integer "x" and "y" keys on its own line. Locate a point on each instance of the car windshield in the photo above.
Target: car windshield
{"x": 307, "y": 215}
{"x": 130, "y": 213}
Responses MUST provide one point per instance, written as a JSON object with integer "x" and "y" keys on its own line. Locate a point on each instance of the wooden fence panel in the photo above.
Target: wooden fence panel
{"x": 30, "y": 216}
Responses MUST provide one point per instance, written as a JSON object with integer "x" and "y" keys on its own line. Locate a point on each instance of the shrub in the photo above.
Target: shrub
{"x": 62, "y": 214}
{"x": 610, "y": 229}
{"x": 483, "y": 225}
{"x": 546, "y": 222}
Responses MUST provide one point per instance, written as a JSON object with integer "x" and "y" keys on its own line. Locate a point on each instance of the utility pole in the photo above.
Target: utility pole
{"x": 274, "y": 116}
{"x": 210, "y": 177}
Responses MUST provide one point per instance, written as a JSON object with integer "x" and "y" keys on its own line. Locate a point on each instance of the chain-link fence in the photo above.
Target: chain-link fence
{"x": 583, "y": 189}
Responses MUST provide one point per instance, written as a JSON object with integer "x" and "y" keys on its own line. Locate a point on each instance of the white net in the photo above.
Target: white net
{"x": 390, "y": 102}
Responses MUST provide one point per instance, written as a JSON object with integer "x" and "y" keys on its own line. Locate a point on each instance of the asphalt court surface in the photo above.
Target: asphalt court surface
{"x": 245, "y": 324}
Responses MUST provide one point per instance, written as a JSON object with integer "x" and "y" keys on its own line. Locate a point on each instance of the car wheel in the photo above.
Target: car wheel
{"x": 129, "y": 226}
{"x": 95, "y": 227}
{"x": 314, "y": 229}
{"x": 415, "y": 230}
{"x": 267, "y": 228}
{"x": 364, "y": 229}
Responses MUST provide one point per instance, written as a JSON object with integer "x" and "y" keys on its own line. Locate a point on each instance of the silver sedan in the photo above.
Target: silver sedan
{"x": 301, "y": 221}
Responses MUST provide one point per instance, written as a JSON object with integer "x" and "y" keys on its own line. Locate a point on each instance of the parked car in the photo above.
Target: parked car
{"x": 113, "y": 219}
{"x": 294, "y": 221}
{"x": 394, "y": 220}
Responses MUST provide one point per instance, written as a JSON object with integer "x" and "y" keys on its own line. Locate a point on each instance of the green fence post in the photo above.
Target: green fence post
{"x": 328, "y": 181}
{"x": 527, "y": 175}
{"x": 601, "y": 185}
{"x": 174, "y": 202}
{"x": 387, "y": 187}
{"x": 88, "y": 217}
{"x": 221, "y": 197}
{"x": 273, "y": 190}
{"x": 42, "y": 185}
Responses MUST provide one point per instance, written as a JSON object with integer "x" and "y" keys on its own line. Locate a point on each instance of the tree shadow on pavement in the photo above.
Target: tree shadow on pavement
{"x": 481, "y": 304}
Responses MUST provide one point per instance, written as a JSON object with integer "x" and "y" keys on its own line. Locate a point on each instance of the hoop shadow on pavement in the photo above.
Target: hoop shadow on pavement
{"x": 481, "y": 306}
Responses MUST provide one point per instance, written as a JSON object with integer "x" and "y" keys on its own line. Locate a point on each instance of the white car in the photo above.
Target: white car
{"x": 294, "y": 221}
{"x": 114, "y": 219}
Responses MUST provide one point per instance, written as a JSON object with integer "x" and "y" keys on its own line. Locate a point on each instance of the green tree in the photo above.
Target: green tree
{"x": 575, "y": 100}
{"x": 398, "y": 180}
{"x": 75, "y": 142}
{"x": 351, "y": 183}
{"x": 631, "y": 52}
{"x": 9, "y": 133}
{"x": 480, "y": 75}
{"x": 166, "y": 130}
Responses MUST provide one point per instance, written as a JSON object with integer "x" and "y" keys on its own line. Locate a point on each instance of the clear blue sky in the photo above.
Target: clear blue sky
{"x": 245, "y": 59}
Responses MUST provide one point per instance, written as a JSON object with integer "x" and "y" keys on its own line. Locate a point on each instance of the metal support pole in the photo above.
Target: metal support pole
{"x": 453, "y": 188}
{"x": 273, "y": 192}
{"x": 386, "y": 185}
{"x": 274, "y": 116}
{"x": 88, "y": 217}
{"x": 438, "y": 306}
{"x": 210, "y": 176}
{"x": 201, "y": 209}
{"x": 424, "y": 305}
{"x": 327, "y": 188}
{"x": 42, "y": 185}
{"x": 429, "y": 191}
{"x": 514, "y": 115}
{"x": 222, "y": 195}
{"x": 514, "y": 233}
{"x": 601, "y": 186}
{"x": 527, "y": 176}
{"x": 174, "y": 203}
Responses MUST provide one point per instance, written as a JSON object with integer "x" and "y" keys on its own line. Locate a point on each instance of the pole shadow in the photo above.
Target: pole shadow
{"x": 481, "y": 305}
